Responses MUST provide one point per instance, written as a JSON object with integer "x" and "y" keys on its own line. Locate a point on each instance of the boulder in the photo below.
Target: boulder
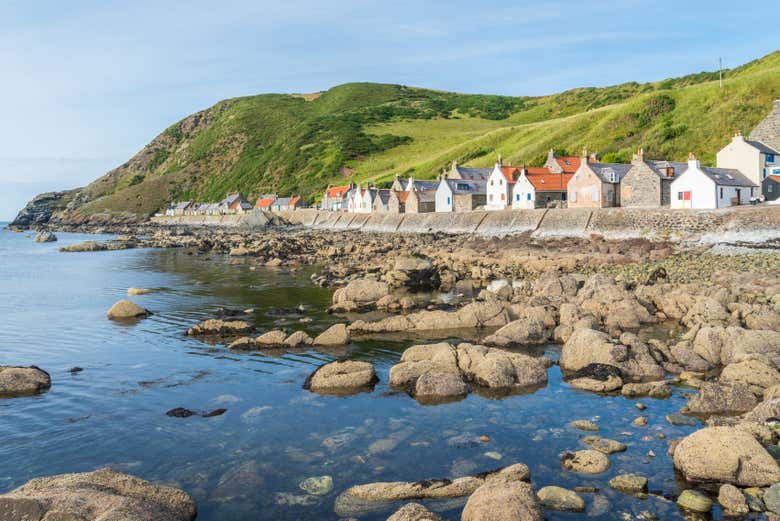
{"x": 520, "y": 332}
{"x": 732, "y": 500}
{"x": 717, "y": 398}
{"x": 767, "y": 410}
{"x": 658, "y": 390}
{"x": 772, "y": 498}
{"x": 435, "y": 386}
{"x": 725, "y": 455}
{"x": 612, "y": 304}
{"x": 753, "y": 373}
{"x": 273, "y": 338}
{"x": 629, "y": 483}
{"x": 474, "y": 315}
{"x": 298, "y": 339}
{"x": 335, "y": 335}
{"x": 21, "y": 381}
{"x": 694, "y": 501}
{"x": 125, "y": 309}
{"x": 604, "y": 445}
{"x": 597, "y": 378}
{"x": 359, "y": 294}
{"x": 103, "y": 494}
{"x": 588, "y": 346}
{"x": 220, "y": 328}
{"x": 585, "y": 462}
{"x": 503, "y": 501}
{"x": 139, "y": 291}
{"x": 342, "y": 378}
{"x": 414, "y": 512}
{"x": 555, "y": 286}
{"x": 706, "y": 311}
{"x": 726, "y": 345}
{"x": 561, "y": 499}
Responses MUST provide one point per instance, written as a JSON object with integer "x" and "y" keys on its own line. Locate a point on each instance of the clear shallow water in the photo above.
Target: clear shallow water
{"x": 274, "y": 434}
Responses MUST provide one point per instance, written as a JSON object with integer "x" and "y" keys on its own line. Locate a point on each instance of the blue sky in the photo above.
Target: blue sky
{"x": 88, "y": 83}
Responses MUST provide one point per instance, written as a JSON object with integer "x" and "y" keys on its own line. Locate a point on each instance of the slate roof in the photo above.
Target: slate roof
{"x": 282, "y": 201}
{"x": 659, "y": 166}
{"x": 425, "y": 196}
{"x": 384, "y": 195}
{"x": 762, "y": 147}
{"x": 474, "y": 174}
{"x": 727, "y": 176}
{"x": 603, "y": 169}
{"x": 182, "y": 205}
{"x": 423, "y": 185}
{"x": 467, "y": 186}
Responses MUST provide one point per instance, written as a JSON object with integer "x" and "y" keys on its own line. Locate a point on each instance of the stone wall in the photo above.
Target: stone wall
{"x": 746, "y": 223}
{"x": 768, "y": 130}
{"x": 641, "y": 187}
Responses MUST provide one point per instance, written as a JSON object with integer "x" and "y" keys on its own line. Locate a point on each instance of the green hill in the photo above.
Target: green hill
{"x": 361, "y": 131}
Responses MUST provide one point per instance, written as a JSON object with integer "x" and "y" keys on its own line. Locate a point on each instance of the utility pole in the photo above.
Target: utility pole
{"x": 720, "y": 71}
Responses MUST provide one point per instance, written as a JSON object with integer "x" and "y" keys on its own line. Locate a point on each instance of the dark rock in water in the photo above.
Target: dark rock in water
{"x": 215, "y": 412}
{"x": 180, "y": 412}
{"x": 286, "y": 312}
{"x": 227, "y": 313}
{"x": 39, "y": 211}
{"x": 74, "y": 370}
{"x": 46, "y": 237}
{"x": 601, "y": 372}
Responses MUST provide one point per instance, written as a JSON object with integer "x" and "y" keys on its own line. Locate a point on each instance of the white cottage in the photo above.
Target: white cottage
{"x": 499, "y": 186}
{"x": 701, "y": 187}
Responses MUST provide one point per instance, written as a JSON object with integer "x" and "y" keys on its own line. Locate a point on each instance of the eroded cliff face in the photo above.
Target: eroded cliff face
{"x": 40, "y": 210}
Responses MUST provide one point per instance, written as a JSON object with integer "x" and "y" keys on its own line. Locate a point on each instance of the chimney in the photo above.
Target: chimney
{"x": 584, "y": 154}
{"x": 500, "y": 160}
{"x": 639, "y": 157}
{"x": 410, "y": 185}
{"x": 738, "y": 136}
{"x": 692, "y": 161}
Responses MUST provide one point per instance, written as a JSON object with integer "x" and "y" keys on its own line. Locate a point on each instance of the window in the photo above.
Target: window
{"x": 517, "y": 197}
{"x": 563, "y": 196}
{"x": 769, "y": 188}
{"x": 491, "y": 197}
{"x": 529, "y": 196}
{"x": 770, "y": 158}
{"x": 448, "y": 201}
{"x": 503, "y": 197}
{"x": 679, "y": 196}
{"x": 721, "y": 193}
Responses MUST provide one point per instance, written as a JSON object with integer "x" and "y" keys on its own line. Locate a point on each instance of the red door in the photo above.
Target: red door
{"x": 686, "y": 196}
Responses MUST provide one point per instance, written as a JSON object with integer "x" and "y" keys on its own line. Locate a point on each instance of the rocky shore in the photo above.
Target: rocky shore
{"x": 634, "y": 318}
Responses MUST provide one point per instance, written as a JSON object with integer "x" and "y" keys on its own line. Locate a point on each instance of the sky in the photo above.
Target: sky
{"x": 86, "y": 84}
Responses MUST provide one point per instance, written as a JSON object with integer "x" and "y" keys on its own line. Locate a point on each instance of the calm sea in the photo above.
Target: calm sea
{"x": 247, "y": 463}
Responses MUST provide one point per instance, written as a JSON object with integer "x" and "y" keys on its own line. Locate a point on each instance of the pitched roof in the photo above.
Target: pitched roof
{"x": 659, "y": 166}
{"x": 775, "y": 178}
{"x": 425, "y": 196}
{"x": 423, "y": 185}
{"x": 603, "y": 170}
{"x": 762, "y": 147}
{"x": 402, "y": 195}
{"x": 265, "y": 202}
{"x": 337, "y": 191}
{"x": 183, "y": 205}
{"x": 727, "y": 176}
{"x": 282, "y": 201}
{"x": 383, "y": 195}
{"x": 294, "y": 199}
{"x": 467, "y": 186}
{"x": 547, "y": 181}
{"x": 511, "y": 173}
{"x": 570, "y": 164}
{"x": 471, "y": 173}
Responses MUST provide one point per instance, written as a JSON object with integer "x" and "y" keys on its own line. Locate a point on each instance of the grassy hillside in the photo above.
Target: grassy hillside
{"x": 360, "y": 131}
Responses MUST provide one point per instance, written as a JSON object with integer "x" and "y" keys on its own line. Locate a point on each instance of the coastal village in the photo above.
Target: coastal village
{"x": 747, "y": 172}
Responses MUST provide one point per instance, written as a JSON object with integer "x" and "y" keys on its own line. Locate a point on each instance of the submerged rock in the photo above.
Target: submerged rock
{"x": 604, "y": 445}
{"x": 102, "y": 494}
{"x": 503, "y": 501}
{"x": 725, "y": 455}
{"x": 20, "y": 381}
{"x": 629, "y": 483}
{"x": 125, "y": 309}
{"x": 694, "y": 501}
{"x": 558, "y": 498}
{"x": 342, "y": 378}
{"x": 317, "y": 485}
{"x": 414, "y": 512}
{"x": 585, "y": 462}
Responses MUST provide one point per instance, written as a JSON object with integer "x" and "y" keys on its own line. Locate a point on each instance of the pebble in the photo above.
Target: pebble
{"x": 484, "y": 438}
{"x": 640, "y": 406}
{"x": 584, "y": 425}
{"x": 640, "y": 421}
{"x": 493, "y": 455}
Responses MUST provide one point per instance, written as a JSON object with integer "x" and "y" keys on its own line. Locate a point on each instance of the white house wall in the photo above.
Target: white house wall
{"x": 523, "y": 195}
{"x": 444, "y": 201}
{"x": 702, "y": 190}
{"x": 497, "y": 191}
{"x": 743, "y": 157}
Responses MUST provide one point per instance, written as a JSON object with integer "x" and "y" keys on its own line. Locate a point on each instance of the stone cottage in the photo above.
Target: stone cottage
{"x": 595, "y": 184}
{"x": 382, "y": 201}
{"x": 561, "y": 165}
{"x": 702, "y": 187}
{"x": 397, "y": 201}
{"x": 420, "y": 201}
{"x": 647, "y": 184}
{"x": 460, "y": 195}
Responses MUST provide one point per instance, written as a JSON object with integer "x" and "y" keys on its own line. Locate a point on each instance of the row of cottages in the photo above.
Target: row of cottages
{"x": 232, "y": 204}
{"x": 274, "y": 203}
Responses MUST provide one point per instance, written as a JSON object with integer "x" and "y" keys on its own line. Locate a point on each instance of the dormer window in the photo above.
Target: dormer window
{"x": 770, "y": 158}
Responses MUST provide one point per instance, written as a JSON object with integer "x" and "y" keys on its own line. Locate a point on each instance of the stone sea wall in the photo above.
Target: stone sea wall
{"x": 750, "y": 224}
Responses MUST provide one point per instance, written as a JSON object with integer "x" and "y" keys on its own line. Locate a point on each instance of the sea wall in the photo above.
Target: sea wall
{"x": 750, "y": 224}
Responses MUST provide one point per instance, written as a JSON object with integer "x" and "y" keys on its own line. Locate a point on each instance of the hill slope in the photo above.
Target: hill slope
{"x": 360, "y": 131}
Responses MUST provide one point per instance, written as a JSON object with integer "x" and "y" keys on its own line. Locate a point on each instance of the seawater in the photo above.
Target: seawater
{"x": 247, "y": 464}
